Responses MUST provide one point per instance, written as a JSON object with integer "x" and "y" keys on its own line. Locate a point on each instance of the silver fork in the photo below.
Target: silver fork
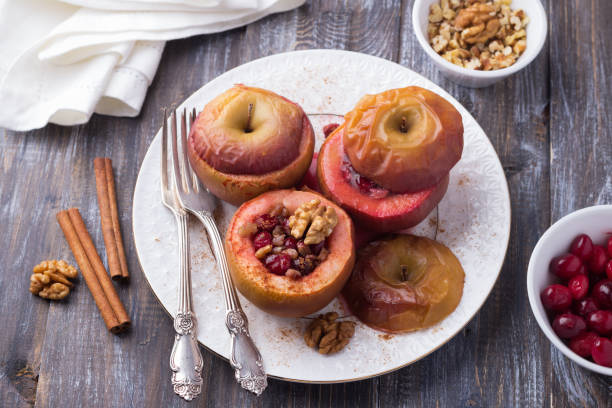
{"x": 244, "y": 355}
{"x": 185, "y": 360}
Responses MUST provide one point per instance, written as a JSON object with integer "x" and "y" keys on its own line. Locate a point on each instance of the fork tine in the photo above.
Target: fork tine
{"x": 164, "y": 155}
{"x": 183, "y": 163}
{"x": 190, "y": 174}
{"x": 175, "y": 158}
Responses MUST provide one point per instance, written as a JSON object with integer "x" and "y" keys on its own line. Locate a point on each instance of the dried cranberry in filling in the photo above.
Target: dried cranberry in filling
{"x": 266, "y": 222}
{"x": 290, "y": 242}
{"x": 361, "y": 183}
{"x": 261, "y": 239}
{"x": 278, "y": 263}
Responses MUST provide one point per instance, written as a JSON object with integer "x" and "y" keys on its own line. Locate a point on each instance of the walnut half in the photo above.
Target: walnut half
{"x": 49, "y": 279}
{"x": 328, "y": 335}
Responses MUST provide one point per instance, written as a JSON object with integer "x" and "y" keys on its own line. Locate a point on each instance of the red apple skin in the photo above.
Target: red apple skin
{"x": 280, "y": 295}
{"x": 392, "y": 213}
{"x": 238, "y": 188}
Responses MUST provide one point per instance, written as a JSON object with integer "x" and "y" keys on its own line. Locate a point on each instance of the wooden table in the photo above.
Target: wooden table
{"x": 550, "y": 125}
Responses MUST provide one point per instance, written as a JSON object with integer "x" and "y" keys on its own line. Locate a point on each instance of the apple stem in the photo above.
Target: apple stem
{"x": 247, "y": 128}
{"x": 404, "y": 125}
{"x": 404, "y": 272}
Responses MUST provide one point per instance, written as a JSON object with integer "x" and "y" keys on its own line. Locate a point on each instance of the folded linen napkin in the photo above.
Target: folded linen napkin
{"x": 63, "y": 60}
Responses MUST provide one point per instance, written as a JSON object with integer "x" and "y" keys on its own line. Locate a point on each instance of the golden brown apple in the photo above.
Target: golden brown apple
{"x": 406, "y": 140}
{"x": 403, "y": 283}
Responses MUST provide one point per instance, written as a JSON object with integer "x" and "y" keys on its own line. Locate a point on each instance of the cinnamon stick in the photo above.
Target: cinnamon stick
{"x": 109, "y": 218}
{"x": 97, "y": 280}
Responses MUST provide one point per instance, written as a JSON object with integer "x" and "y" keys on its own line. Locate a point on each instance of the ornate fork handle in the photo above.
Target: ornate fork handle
{"x": 186, "y": 360}
{"x": 244, "y": 355}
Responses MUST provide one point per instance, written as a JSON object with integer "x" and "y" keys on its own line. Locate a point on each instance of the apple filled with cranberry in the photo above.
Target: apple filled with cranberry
{"x": 290, "y": 252}
{"x": 249, "y": 140}
{"x": 388, "y": 163}
{"x": 403, "y": 283}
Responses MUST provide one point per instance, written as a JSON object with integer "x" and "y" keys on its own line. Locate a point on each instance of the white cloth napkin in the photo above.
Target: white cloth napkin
{"x": 61, "y": 61}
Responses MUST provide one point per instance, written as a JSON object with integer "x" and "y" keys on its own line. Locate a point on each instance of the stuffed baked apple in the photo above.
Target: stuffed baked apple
{"x": 290, "y": 252}
{"x": 249, "y": 140}
{"x": 406, "y": 140}
{"x": 403, "y": 283}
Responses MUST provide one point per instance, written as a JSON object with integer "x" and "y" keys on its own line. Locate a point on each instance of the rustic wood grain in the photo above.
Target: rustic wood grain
{"x": 549, "y": 124}
{"x": 580, "y": 151}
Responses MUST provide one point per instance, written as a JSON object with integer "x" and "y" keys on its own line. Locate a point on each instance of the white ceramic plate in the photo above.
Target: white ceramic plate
{"x": 474, "y": 222}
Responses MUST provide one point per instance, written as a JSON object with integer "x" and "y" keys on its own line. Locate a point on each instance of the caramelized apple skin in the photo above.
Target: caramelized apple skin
{"x": 391, "y": 213}
{"x": 238, "y": 188}
{"x": 404, "y": 283}
{"x": 406, "y": 140}
{"x": 231, "y": 142}
{"x": 281, "y": 295}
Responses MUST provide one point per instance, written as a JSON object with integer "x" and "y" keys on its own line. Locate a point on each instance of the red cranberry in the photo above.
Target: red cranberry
{"x": 316, "y": 248}
{"x": 568, "y": 325}
{"x": 266, "y": 222}
{"x": 609, "y": 269}
{"x": 290, "y": 242}
{"x": 556, "y": 297}
{"x": 598, "y": 261}
{"x": 582, "y": 247}
{"x": 602, "y": 293}
{"x": 565, "y": 266}
{"x": 278, "y": 263}
{"x": 610, "y": 247}
{"x": 261, "y": 239}
{"x": 579, "y": 286}
{"x": 585, "y": 306}
{"x": 328, "y": 129}
{"x": 601, "y": 322}
{"x": 602, "y": 352}
{"x": 582, "y": 343}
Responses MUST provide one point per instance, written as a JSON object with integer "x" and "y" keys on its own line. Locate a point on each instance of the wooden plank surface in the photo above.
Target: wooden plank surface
{"x": 549, "y": 124}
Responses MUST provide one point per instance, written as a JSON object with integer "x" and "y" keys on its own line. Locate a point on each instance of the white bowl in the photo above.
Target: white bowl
{"x": 536, "y": 36}
{"x": 593, "y": 221}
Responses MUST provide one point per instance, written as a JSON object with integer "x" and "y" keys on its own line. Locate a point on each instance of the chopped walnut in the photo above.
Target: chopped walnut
{"x": 328, "y": 335}
{"x": 314, "y": 219}
{"x": 301, "y": 218}
{"x": 322, "y": 226}
{"x": 49, "y": 279}
{"x": 263, "y": 251}
{"x": 476, "y": 34}
{"x": 293, "y": 274}
{"x": 247, "y": 229}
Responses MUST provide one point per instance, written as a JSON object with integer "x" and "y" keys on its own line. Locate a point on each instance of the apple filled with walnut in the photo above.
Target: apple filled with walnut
{"x": 248, "y": 141}
{"x": 290, "y": 252}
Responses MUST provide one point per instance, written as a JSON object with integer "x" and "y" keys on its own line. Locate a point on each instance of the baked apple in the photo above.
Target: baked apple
{"x": 249, "y": 140}
{"x": 371, "y": 206}
{"x": 403, "y": 283}
{"x": 405, "y": 140}
{"x": 290, "y": 252}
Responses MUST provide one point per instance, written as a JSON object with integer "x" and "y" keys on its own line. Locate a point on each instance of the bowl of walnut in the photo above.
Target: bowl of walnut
{"x": 479, "y": 42}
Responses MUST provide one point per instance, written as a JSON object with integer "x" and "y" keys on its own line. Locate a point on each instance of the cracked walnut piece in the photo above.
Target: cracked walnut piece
{"x": 469, "y": 33}
{"x": 49, "y": 279}
{"x": 328, "y": 335}
{"x": 320, "y": 218}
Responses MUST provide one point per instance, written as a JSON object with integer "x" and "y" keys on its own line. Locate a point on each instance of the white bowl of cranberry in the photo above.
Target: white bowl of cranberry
{"x": 569, "y": 283}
